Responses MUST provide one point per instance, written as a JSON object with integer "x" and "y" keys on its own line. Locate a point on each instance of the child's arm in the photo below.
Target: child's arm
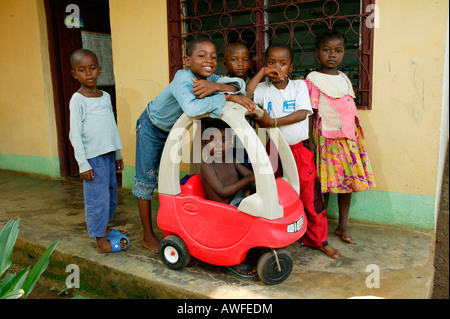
{"x": 243, "y": 170}
{"x": 209, "y": 176}
{"x": 119, "y": 166}
{"x": 295, "y": 117}
{"x": 242, "y": 100}
{"x": 267, "y": 121}
{"x": 119, "y": 161}
{"x": 188, "y": 101}
{"x": 87, "y": 176}
{"x": 76, "y": 116}
{"x": 314, "y": 95}
{"x": 203, "y": 88}
{"x": 270, "y": 71}
{"x": 191, "y": 105}
{"x": 253, "y": 83}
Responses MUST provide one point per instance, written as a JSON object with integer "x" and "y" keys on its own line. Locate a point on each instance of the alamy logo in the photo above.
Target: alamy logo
{"x": 73, "y": 20}
{"x": 73, "y": 280}
{"x": 373, "y": 20}
{"x": 373, "y": 279}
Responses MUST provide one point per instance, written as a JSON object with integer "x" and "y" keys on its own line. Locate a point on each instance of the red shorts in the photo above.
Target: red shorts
{"x": 317, "y": 232}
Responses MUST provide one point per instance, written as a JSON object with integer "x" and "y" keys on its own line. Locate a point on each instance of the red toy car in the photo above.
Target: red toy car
{"x": 220, "y": 234}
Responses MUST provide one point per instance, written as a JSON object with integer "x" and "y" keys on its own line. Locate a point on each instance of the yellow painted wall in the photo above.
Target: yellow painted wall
{"x": 27, "y": 125}
{"x": 402, "y": 130}
{"x": 141, "y": 64}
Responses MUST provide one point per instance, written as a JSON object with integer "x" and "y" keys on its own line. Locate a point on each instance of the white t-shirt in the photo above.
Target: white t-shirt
{"x": 280, "y": 103}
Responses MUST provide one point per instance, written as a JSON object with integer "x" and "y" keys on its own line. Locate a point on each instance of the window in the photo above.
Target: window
{"x": 258, "y": 23}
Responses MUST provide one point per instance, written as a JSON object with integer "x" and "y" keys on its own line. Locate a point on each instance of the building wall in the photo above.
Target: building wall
{"x": 405, "y": 130}
{"x": 141, "y": 64}
{"x": 27, "y": 122}
{"x": 402, "y": 130}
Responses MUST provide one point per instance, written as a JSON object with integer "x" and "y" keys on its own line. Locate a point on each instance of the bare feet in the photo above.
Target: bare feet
{"x": 330, "y": 251}
{"x": 345, "y": 235}
{"x": 151, "y": 244}
{"x": 104, "y": 245}
{"x": 145, "y": 211}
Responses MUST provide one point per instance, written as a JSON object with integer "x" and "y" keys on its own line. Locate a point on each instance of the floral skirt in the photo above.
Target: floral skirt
{"x": 343, "y": 165}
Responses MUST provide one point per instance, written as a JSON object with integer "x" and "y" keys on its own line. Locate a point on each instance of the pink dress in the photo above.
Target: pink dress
{"x": 343, "y": 165}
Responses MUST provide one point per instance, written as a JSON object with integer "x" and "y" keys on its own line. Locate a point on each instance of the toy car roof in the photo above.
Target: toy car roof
{"x": 263, "y": 203}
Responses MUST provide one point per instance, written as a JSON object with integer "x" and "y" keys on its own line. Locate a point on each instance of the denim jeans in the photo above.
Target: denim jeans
{"x": 100, "y": 194}
{"x": 237, "y": 199}
{"x": 150, "y": 142}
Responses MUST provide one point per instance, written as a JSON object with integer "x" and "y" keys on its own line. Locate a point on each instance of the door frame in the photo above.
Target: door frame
{"x": 56, "y": 32}
{"x": 62, "y": 42}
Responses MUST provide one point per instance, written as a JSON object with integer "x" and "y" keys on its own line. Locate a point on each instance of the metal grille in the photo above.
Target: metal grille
{"x": 258, "y": 23}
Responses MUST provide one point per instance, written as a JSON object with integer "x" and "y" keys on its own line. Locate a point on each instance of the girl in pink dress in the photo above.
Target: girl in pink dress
{"x": 341, "y": 157}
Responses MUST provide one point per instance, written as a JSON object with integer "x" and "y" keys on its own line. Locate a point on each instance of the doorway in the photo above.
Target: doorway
{"x": 72, "y": 25}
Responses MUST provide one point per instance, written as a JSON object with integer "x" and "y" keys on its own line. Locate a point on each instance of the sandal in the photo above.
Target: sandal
{"x": 116, "y": 232}
{"x": 115, "y": 242}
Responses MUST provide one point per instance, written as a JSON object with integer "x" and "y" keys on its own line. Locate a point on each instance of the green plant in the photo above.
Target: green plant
{"x": 65, "y": 291}
{"x": 20, "y": 285}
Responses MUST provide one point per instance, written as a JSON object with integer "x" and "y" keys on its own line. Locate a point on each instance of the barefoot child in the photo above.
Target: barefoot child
{"x": 96, "y": 142}
{"x": 224, "y": 182}
{"x": 191, "y": 92}
{"x": 286, "y": 105}
{"x": 221, "y": 179}
{"x": 342, "y": 162}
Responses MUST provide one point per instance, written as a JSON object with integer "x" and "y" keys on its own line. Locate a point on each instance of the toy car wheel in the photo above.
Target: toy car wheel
{"x": 174, "y": 252}
{"x": 268, "y": 270}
